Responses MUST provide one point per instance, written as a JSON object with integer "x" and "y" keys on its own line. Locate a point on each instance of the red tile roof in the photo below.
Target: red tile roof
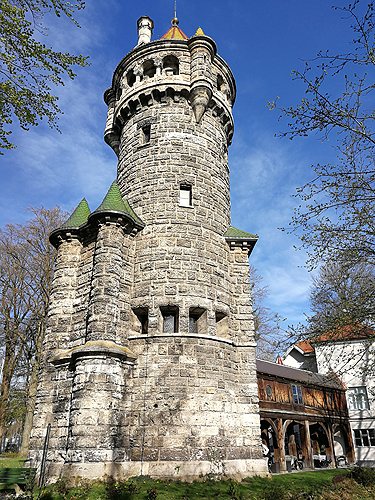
{"x": 174, "y": 33}
{"x": 346, "y": 332}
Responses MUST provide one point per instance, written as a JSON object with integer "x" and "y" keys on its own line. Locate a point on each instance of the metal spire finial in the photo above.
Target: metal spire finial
{"x": 175, "y": 21}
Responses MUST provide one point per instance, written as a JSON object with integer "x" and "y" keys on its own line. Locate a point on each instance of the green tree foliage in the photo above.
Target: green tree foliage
{"x": 336, "y": 214}
{"x": 342, "y": 294}
{"x": 28, "y": 68}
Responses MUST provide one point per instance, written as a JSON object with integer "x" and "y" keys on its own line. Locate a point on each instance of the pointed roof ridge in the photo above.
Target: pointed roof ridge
{"x": 199, "y": 31}
{"x": 174, "y": 33}
{"x": 114, "y": 201}
{"x": 233, "y": 232}
{"x": 79, "y": 216}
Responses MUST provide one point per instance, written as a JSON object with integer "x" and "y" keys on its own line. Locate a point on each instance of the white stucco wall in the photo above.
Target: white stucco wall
{"x": 354, "y": 363}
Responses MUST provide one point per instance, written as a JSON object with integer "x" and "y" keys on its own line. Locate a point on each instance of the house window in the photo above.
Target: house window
{"x": 297, "y": 394}
{"x": 357, "y": 398}
{"x": 170, "y": 319}
{"x": 146, "y": 134}
{"x": 364, "y": 437}
{"x": 185, "y": 196}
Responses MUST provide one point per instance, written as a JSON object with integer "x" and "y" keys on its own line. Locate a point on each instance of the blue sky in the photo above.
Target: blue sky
{"x": 262, "y": 41}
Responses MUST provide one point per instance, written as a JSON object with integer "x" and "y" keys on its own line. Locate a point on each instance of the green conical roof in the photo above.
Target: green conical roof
{"x": 79, "y": 216}
{"x": 233, "y": 232}
{"x": 113, "y": 201}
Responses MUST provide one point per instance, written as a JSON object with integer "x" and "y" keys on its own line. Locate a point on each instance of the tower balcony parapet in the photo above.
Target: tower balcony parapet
{"x": 153, "y": 72}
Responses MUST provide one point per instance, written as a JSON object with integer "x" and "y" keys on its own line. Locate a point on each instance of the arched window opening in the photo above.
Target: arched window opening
{"x": 220, "y": 83}
{"x": 130, "y": 78}
{"x": 171, "y": 65}
{"x": 149, "y": 68}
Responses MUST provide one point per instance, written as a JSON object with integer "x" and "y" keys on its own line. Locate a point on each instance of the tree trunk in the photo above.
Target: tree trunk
{"x": 29, "y": 411}
{"x": 31, "y": 395}
{"x": 4, "y": 392}
{"x": 11, "y": 357}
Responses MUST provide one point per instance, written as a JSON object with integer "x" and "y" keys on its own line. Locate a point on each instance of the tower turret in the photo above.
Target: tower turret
{"x": 150, "y": 361}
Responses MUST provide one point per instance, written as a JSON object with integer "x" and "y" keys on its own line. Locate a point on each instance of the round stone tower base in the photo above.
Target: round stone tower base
{"x": 172, "y": 470}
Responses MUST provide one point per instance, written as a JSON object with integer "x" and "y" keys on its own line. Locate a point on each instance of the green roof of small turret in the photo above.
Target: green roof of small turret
{"x": 233, "y": 232}
{"x": 79, "y": 216}
{"x": 113, "y": 201}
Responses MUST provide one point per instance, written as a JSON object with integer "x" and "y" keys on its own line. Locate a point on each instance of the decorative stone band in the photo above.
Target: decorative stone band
{"x": 94, "y": 348}
{"x": 194, "y": 335}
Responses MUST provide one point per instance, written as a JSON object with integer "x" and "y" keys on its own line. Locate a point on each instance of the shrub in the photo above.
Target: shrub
{"x": 276, "y": 491}
{"x": 121, "y": 491}
{"x": 339, "y": 478}
{"x": 363, "y": 475}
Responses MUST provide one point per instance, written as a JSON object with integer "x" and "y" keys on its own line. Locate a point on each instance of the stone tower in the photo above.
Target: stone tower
{"x": 149, "y": 359}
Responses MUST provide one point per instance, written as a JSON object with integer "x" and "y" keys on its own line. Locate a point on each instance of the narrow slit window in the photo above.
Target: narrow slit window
{"x": 146, "y": 134}
{"x": 185, "y": 196}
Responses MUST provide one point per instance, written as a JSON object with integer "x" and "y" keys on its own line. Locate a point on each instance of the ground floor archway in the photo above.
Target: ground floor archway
{"x": 317, "y": 442}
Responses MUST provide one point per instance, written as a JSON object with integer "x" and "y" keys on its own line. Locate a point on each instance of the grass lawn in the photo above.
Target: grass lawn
{"x": 256, "y": 488}
{"x": 295, "y": 486}
{"x": 11, "y": 461}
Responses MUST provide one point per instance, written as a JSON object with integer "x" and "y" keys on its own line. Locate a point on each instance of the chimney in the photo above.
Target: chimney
{"x": 145, "y": 26}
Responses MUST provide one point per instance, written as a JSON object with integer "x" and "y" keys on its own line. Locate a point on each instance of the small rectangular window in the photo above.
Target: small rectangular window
{"x": 185, "y": 196}
{"x": 364, "y": 437}
{"x": 197, "y": 320}
{"x": 170, "y": 319}
{"x": 141, "y": 314}
{"x": 297, "y": 394}
{"x": 221, "y": 324}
